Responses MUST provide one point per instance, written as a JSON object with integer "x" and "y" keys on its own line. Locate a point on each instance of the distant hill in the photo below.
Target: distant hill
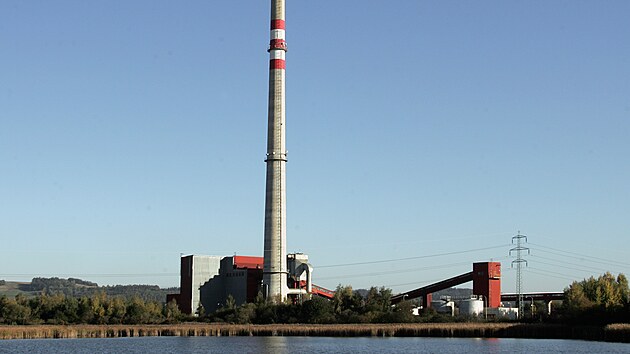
{"x": 78, "y": 288}
{"x": 453, "y": 293}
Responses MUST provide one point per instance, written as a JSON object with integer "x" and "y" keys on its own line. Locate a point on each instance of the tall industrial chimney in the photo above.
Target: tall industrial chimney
{"x": 275, "y": 254}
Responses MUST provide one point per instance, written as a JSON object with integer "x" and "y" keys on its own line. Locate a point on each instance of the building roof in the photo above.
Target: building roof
{"x": 247, "y": 262}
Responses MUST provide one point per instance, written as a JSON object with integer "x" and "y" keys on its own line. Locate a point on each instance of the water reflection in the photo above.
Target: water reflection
{"x": 275, "y": 345}
{"x": 306, "y": 345}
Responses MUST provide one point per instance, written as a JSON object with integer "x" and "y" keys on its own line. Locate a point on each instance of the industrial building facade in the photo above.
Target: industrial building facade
{"x": 194, "y": 271}
{"x": 239, "y": 277}
{"x": 206, "y": 282}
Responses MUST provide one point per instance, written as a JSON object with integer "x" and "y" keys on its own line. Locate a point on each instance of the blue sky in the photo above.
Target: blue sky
{"x": 424, "y": 134}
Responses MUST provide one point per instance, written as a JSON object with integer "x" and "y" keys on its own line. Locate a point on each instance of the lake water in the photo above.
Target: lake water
{"x": 319, "y": 345}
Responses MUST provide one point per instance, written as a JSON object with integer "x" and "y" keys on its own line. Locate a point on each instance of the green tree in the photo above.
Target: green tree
{"x": 70, "y": 308}
{"x": 154, "y": 312}
{"x": 85, "y": 314}
{"x": 402, "y": 313}
{"x": 15, "y": 311}
{"x": 49, "y": 309}
{"x": 604, "y": 299}
{"x": 378, "y": 306}
{"x": 137, "y": 312}
{"x": 116, "y": 310}
{"x": 245, "y": 313}
{"x": 317, "y": 310}
{"x": 378, "y": 299}
{"x": 98, "y": 304}
{"x": 172, "y": 313}
{"x": 4, "y": 303}
{"x": 347, "y": 305}
{"x": 230, "y": 303}
{"x": 265, "y": 312}
{"x": 201, "y": 311}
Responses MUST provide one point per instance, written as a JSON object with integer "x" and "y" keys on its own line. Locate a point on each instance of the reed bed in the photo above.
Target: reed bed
{"x": 475, "y": 330}
{"x": 617, "y": 332}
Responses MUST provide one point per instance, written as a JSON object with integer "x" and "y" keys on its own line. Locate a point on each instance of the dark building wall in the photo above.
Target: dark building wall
{"x": 185, "y": 292}
{"x": 239, "y": 276}
{"x": 213, "y": 294}
{"x": 235, "y": 284}
{"x": 487, "y": 282}
{"x": 254, "y": 282}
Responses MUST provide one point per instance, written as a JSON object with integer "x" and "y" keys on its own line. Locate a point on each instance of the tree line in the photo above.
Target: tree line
{"x": 73, "y": 287}
{"x": 96, "y": 309}
{"x": 593, "y": 301}
{"x": 347, "y": 306}
{"x": 601, "y": 300}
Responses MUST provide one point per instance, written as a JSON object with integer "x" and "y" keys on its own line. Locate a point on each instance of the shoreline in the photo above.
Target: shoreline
{"x": 610, "y": 333}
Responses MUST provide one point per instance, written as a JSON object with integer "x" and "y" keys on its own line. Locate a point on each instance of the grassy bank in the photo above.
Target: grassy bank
{"x": 619, "y": 333}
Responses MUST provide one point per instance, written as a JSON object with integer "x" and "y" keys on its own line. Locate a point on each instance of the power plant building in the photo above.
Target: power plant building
{"x": 239, "y": 277}
{"x": 210, "y": 280}
{"x": 194, "y": 272}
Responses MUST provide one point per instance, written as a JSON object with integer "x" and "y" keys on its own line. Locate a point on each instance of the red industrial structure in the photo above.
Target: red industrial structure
{"x": 486, "y": 278}
{"x": 487, "y": 282}
{"x": 253, "y": 267}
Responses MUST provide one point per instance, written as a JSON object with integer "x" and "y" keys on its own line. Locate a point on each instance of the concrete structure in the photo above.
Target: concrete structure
{"x": 547, "y": 297}
{"x": 445, "y": 306}
{"x": 238, "y": 277}
{"x": 299, "y": 272}
{"x": 194, "y": 272}
{"x": 510, "y": 313}
{"x": 275, "y": 266}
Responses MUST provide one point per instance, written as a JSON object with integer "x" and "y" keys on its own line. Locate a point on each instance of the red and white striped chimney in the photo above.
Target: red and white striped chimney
{"x": 275, "y": 254}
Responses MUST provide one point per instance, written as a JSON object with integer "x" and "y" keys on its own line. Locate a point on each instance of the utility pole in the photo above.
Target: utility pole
{"x": 519, "y": 261}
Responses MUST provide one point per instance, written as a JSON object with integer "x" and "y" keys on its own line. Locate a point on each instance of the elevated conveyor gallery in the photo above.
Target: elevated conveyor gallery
{"x": 323, "y": 292}
{"x": 486, "y": 278}
{"x": 319, "y": 291}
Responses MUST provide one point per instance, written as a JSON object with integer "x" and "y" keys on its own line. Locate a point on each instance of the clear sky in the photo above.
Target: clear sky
{"x": 424, "y": 134}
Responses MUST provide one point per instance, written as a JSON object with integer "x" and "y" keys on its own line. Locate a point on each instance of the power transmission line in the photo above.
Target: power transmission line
{"x": 422, "y": 283}
{"x": 545, "y": 273}
{"x": 92, "y": 275}
{"x": 580, "y": 256}
{"x": 567, "y": 276}
{"x": 409, "y": 258}
{"x": 408, "y": 270}
{"x": 573, "y": 264}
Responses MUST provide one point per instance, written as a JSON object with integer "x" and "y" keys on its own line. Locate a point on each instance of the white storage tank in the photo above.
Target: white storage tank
{"x": 471, "y": 307}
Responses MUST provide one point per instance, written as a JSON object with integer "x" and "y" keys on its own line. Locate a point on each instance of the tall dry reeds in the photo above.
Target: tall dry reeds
{"x": 617, "y": 332}
{"x": 476, "y": 330}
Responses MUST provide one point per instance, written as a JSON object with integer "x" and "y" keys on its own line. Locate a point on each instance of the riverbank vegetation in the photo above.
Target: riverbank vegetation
{"x": 616, "y": 333}
{"x": 96, "y": 309}
{"x": 347, "y": 306}
{"x": 601, "y": 300}
{"x": 592, "y": 301}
